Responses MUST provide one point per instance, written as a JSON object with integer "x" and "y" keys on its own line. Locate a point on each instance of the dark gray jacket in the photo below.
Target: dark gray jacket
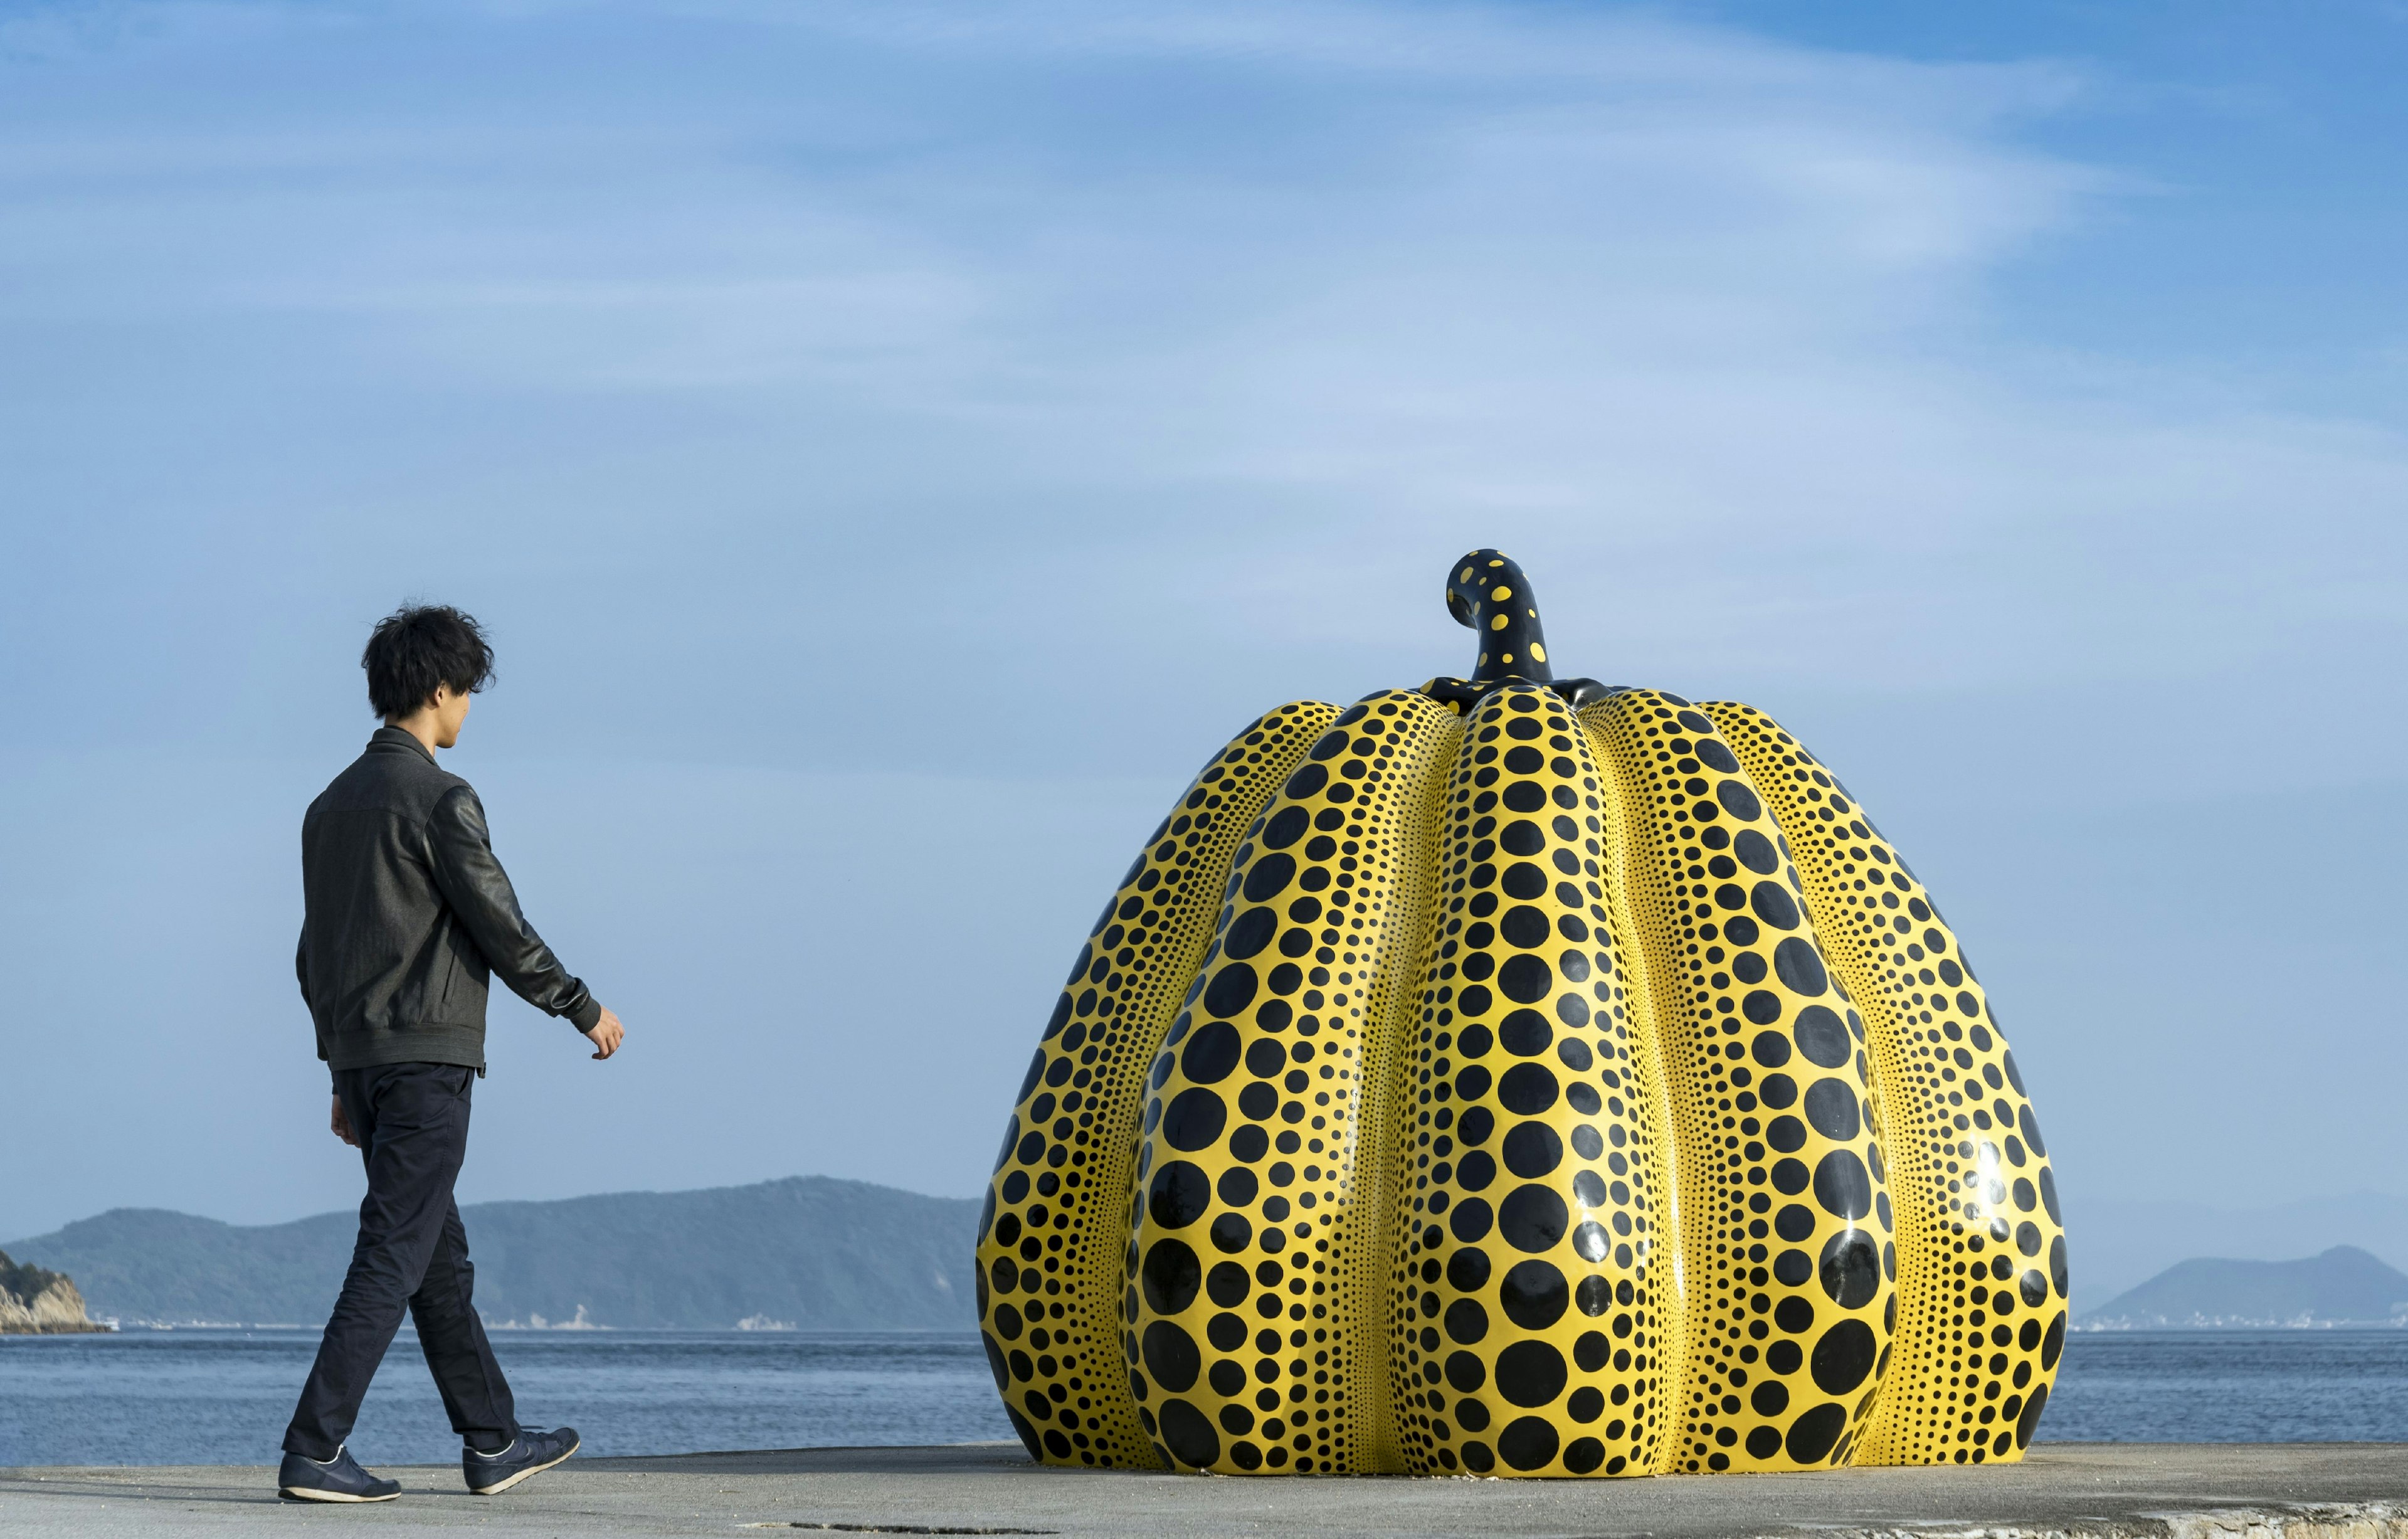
{"x": 408, "y": 912}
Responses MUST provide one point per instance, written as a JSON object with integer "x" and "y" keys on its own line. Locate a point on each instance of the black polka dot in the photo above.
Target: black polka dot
{"x": 1790, "y": 1177}
{"x": 1773, "y": 905}
{"x": 1532, "y": 1218}
{"x": 1762, "y": 1006}
{"x": 1475, "y": 1170}
{"x": 1526, "y": 980}
{"x": 1764, "y": 1442}
{"x": 1843, "y": 1356}
{"x": 1194, "y": 1120}
{"x": 1851, "y": 1270}
{"x": 1179, "y": 1194}
{"x": 1811, "y": 1436}
{"x": 1770, "y": 1399}
{"x": 1823, "y": 1036}
{"x": 1171, "y": 1276}
{"x": 1210, "y": 1054}
{"x": 1534, "y": 1295}
{"x": 1771, "y": 1048}
{"x": 1831, "y": 1107}
{"x": 1187, "y": 1433}
{"x": 1524, "y": 880}
{"x": 1740, "y": 930}
{"x": 1524, "y": 927}
{"x": 1307, "y": 781}
{"x": 1251, "y": 933}
{"x": 1525, "y": 796}
{"x": 1470, "y": 1220}
{"x": 1527, "y": 1089}
{"x": 1524, "y": 1033}
{"x": 1528, "y": 1443}
{"x": 1467, "y": 1322}
{"x": 1464, "y": 1372}
{"x": 2031, "y": 1125}
{"x": 1585, "y": 1454}
{"x": 1228, "y": 1285}
{"x": 1799, "y": 967}
{"x": 1794, "y": 1222}
{"x": 1843, "y": 1185}
{"x": 1269, "y": 877}
{"x": 1532, "y": 1149}
{"x": 1231, "y": 990}
{"x": 1231, "y": 1233}
{"x": 1777, "y": 1090}
{"x": 1530, "y": 1373}
{"x": 1472, "y": 1001}
{"x": 1466, "y": 1271}
{"x": 1756, "y": 853}
{"x": 1170, "y": 1357}
{"x": 1737, "y": 801}
{"x": 2029, "y": 1421}
{"x": 1786, "y": 1134}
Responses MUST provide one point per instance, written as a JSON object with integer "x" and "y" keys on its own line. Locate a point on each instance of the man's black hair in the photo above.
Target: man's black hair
{"x": 419, "y": 646}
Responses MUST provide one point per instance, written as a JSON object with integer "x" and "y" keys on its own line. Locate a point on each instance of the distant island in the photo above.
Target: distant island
{"x": 808, "y": 1253}
{"x": 35, "y": 1301}
{"x": 2343, "y": 1287}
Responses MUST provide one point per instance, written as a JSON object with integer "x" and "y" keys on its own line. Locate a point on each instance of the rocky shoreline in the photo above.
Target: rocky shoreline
{"x": 38, "y": 1302}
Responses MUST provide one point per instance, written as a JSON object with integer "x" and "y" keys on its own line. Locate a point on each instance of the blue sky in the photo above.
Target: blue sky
{"x": 893, "y": 444}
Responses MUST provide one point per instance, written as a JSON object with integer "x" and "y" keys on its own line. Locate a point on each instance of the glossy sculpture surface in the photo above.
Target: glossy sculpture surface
{"x": 1526, "y": 1076}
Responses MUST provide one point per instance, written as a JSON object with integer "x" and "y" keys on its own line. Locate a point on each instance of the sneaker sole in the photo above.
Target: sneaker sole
{"x": 529, "y": 1472}
{"x": 304, "y": 1493}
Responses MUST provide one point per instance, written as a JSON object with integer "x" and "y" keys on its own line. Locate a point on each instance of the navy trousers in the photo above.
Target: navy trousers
{"x": 412, "y": 1123}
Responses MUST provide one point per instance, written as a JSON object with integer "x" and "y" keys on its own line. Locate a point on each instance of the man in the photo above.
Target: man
{"x": 407, "y": 914}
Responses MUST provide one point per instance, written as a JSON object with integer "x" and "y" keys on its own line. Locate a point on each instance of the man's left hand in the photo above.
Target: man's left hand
{"x": 606, "y": 1034}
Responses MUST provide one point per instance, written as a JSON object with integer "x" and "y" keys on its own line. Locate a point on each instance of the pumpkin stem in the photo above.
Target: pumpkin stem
{"x": 1487, "y": 592}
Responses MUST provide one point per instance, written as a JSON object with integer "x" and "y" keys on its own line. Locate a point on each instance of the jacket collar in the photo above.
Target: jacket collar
{"x": 393, "y": 736}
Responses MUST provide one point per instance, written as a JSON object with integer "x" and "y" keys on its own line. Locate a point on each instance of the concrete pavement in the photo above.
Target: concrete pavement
{"x": 2147, "y": 1491}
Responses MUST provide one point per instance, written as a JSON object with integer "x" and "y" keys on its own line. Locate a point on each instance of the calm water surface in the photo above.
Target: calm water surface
{"x": 221, "y": 1397}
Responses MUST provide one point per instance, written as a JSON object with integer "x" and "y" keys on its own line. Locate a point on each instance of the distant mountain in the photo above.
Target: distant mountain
{"x": 2120, "y": 1242}
{"x": 808, "y": 1252}
{"x": 2344, "y": 1285}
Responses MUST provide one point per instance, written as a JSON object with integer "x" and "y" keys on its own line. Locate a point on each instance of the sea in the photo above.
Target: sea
{"x": 211, "y": 1396}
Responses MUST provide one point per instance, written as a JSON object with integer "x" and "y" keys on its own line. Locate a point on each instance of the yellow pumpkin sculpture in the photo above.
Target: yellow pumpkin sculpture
{"x": 1525, "y": 1076}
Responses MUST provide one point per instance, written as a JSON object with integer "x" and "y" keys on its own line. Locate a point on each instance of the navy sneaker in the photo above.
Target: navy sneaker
{"x": 530, "y": 1453}
{"x": 339, "y": 1479}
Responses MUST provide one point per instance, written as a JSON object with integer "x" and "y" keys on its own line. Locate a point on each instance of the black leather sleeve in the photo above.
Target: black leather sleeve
{"x": 479, "y": 891}
{"x": 301, "y": 972}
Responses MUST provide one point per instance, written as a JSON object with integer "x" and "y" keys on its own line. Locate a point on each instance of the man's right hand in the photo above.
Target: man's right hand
{"x": 341, "y": 1124}
{"x": 606, "y": 1034}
